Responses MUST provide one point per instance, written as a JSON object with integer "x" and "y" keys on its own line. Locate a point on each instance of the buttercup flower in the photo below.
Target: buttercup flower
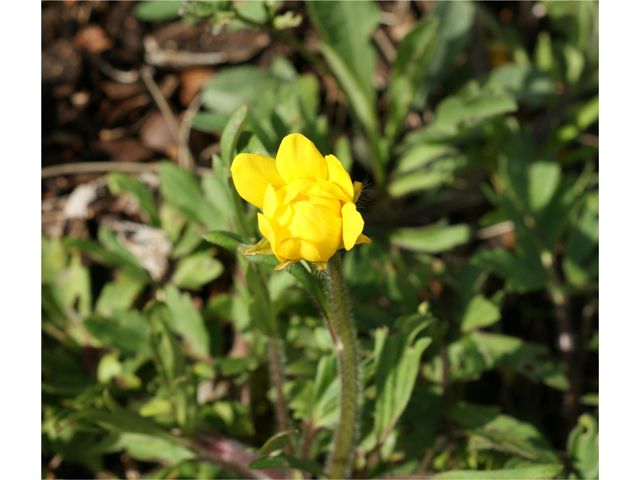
{"x": 307, "y": 200}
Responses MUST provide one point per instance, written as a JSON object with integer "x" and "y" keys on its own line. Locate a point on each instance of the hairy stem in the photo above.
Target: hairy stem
{"x": 345, "y": 340}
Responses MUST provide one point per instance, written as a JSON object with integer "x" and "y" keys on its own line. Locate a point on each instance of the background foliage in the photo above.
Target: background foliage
{"x": 476, "y": 128}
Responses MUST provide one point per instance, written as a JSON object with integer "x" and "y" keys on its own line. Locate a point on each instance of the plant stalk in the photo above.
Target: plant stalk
{"x": 346, "y": 343}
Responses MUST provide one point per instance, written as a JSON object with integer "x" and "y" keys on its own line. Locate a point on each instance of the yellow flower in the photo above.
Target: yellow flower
{"x": 308, "y": 202}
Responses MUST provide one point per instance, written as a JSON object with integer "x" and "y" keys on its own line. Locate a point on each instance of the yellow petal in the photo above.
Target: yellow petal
{"x": 339, "y": 176}
{"x": 306, "y": 186}
{"x": 252, "y": 173}
{"x": 266, "y": 229}
{"x": 333, "y": 190}
{"x": 318, "y": 224}
{"x": 299, "y": 158}
{"x": 320, "y": 227}
{"x": 352, "y": 225}
{"x": 296, "y": 248}
{"x": 270, "y": 202}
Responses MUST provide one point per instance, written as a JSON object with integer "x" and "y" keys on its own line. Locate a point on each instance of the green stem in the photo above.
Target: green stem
{"x": 346, "y": 343}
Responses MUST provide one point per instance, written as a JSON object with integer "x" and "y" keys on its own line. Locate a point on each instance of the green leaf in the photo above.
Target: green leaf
{"x": 529, "y": 359}
{"x": 126, "y": 331}
{"x": 421, "y": 155}
{"x": 518, "y": 275}
{"x": 507, "y": 434}
{"x": 591, "y": 399}
{"x": 581, "y": 247}
{"x": 287, "y": 461}
{"x": 197, "y": 270}
{"x": 544, "y": 52}
{"x": 181, "y": 188}
{"x": 361, "y": 102}
{"x": 146, "y": 448}
{"x": 171, "y": 365}
{"x": 583, "y": 446}
{"x": 114, "y": 255}
{"x": 261, "y": 308}
{"x": 435, "y": 174}
{"x": 347, "y": 27}
{"x": 544, "y": 178}
{"x": 118, "y": 295}
{"x": 54, "y": 259}
{"x": 434, "y": 238}
{"x": 69, "y": 281}
{"x": 456, "y": 21}
{"x": 191, "y": 238}
{"x": 457, "y": 116}
{"x": 535, "y": 472}
{"x": 187, "y": 321}
{"x": 229, "y": 138}
{"x": 119, "y": 182}
{"x": 276, "y": 442}
{"x": 230, "y": 367}
{"x": 209, "y": 122}
{"x": 398, "y": 361}
{"x": 525, "y": 82}
{"x": 230, "y": 241}
{"x": 480, "y": 313}
{"x": 342, "y": 149}
{"x": 157, "y": 11}
{"x": 414, "y": 52}
{"x": 326, "y": 394}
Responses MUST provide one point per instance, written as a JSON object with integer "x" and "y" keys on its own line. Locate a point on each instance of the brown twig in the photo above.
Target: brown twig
{"x": 185, "y": 159}
{"x": 309, "y": 435}
{"x": 146, "y": 73}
